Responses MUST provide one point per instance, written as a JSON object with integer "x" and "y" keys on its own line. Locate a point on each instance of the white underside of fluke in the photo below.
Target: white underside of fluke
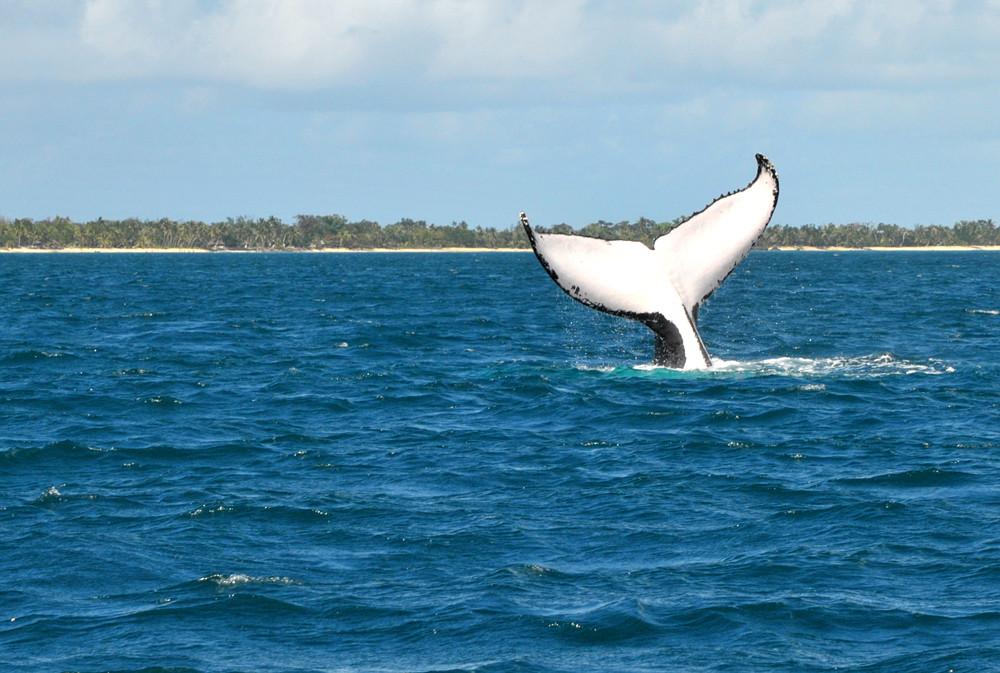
{"x": 663, "y": 287}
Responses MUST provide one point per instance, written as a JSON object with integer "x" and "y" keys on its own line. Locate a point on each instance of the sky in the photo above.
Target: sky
{"x": 473, "y": 110}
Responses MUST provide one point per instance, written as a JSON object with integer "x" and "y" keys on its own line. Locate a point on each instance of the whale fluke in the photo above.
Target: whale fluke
{"x": 663, "y": 287}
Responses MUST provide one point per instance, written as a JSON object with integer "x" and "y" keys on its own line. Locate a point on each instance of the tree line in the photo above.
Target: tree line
{"x": 335, "y": 231}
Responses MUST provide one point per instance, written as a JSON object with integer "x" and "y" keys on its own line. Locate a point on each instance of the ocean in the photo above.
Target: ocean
{"x": 406, "y": 462}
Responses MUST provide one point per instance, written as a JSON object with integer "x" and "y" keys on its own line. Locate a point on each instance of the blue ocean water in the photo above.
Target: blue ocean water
{"x": 440, "y": 462}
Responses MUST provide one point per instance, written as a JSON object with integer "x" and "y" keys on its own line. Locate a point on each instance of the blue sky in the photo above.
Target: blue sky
{"x": 449, "y": 110}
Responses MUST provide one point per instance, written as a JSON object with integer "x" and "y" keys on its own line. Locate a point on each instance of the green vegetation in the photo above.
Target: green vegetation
{"x": 308, "y": 232}
{"x": 964, "y": 233}
{"x": 335, "y": 231}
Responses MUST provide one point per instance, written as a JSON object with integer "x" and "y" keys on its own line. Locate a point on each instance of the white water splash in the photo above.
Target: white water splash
{"x": 862, "y": 366}
{"x": 604, "y": 369}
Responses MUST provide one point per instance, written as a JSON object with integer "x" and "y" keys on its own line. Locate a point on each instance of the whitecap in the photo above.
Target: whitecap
{"x": 531, "y": 569}
{"x": 50, "y": 496}
{"x": 205, "y": 509}
{"x": 237, "y": 579}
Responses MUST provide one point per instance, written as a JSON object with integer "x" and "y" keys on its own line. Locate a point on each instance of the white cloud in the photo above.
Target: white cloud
{"x": 304, "y": 44}
{"x": 531, "y": 40}
{"x": 309, "y": 43}
{"x": 821, "y": 44}
{"x": 488, "y": 48}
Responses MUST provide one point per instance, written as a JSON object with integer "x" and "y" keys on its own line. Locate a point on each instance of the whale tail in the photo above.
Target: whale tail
{"x": 664, "y": 287}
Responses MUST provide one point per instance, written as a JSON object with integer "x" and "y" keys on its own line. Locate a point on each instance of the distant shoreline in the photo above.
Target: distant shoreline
{"x": 228, "y": 251}
{"x": 908, "y": 248}
{"x": 928, "y": 248}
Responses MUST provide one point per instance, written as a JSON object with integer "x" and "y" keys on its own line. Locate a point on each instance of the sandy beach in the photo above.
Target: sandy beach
{"x": 908, "y": 248}
{"x": 936, "y": 248}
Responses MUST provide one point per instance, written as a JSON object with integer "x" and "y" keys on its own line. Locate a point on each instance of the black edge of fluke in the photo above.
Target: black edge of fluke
{"x": 764, "y": 164}
{"x": 531, "y": 239}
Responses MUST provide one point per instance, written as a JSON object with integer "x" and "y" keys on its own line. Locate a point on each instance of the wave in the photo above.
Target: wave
{"x": 612, "y": 622}
{"x": 132, "y": 371}
{"x": 54, "y": 451}
{"x": 143, "y": 314}
{"x": 271, "y": 512}
{"x": 929, "y": 477}
{"x": 29, "y": 356}
{"x": 162, "y": 400}
{"x": 157, "y": 669}
{"x": 532, "y": 571}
